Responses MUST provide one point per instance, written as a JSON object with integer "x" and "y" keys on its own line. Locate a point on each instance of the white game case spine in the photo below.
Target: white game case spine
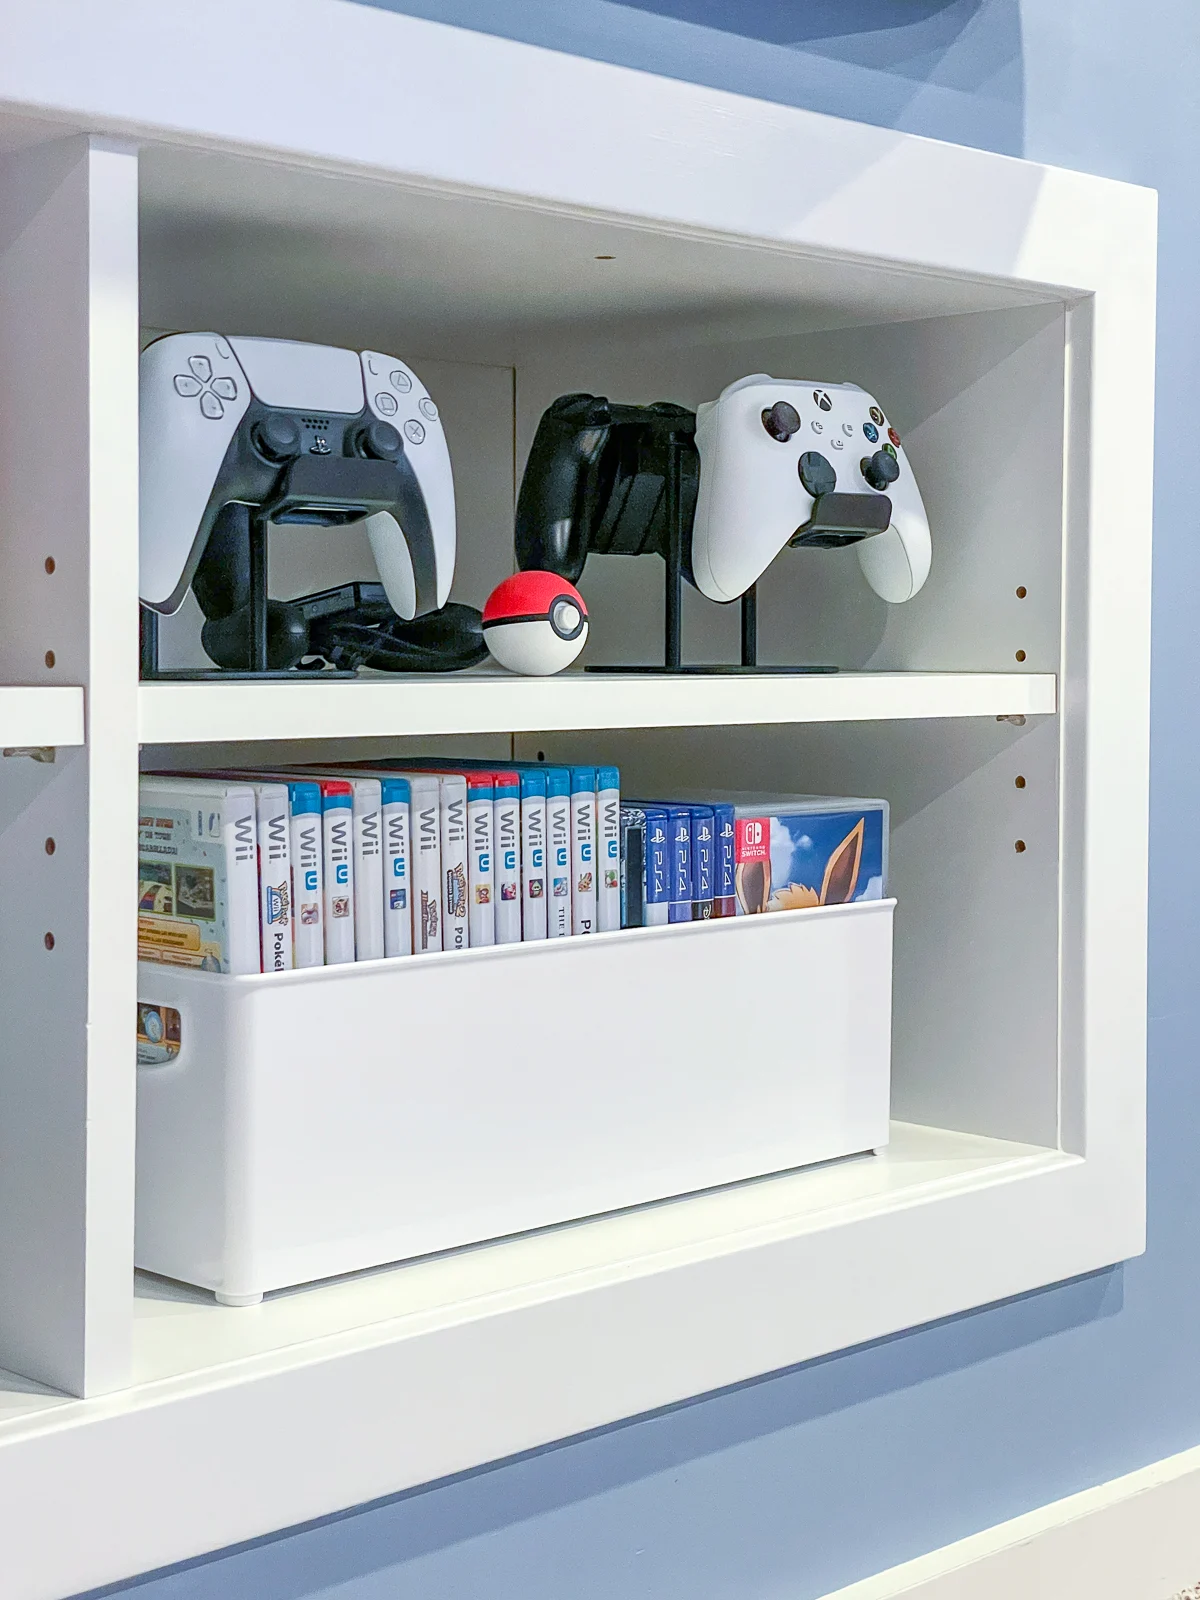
{"x": 427, "y": 863}
{"x": 481, "y": 870}
{"x": 506, "y": 826}
{"x": 307, "y": 876}
{"x": 558, "y": 854}
{"x": 583, "y": 850}
{"x": 397, "y": 868}
{"x": 338, "y": 828}
{"x": 368, "y": 870}
{"x": 533, "y": 861}
{"x": 237, "y": 813}
{"x": 608, "y": 864}
{"x": 455, "y": 866}
{"x": 275, "y": 876}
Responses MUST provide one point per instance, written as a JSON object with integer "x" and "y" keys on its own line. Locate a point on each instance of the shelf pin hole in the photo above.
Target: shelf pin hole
{"x": 51, "y": 847}
{"x": 1022, "y": 591}
{"x": 1019, "y": 847}
{"x": 50, "y": 563}
{"x": 1020, "y": 655}
{"x": 49, "y": 658}
{"x": 48, "y": 941}
{"x": 1019, "y": 781}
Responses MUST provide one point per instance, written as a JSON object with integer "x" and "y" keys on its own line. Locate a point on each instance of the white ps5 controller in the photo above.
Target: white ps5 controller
{"x": 770, "y": 451}
{"x": 222, "y": 421}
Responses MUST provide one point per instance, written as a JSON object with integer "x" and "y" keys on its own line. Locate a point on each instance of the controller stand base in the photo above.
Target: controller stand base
{"x": 672, "y": 662}
{"x": 323, "y": 492}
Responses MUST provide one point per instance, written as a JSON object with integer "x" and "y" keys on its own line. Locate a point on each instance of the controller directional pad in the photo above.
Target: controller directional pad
{"x": 213, "y": 392}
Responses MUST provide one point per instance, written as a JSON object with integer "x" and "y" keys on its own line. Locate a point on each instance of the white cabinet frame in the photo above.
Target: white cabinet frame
{"x": 215, "y": 1431}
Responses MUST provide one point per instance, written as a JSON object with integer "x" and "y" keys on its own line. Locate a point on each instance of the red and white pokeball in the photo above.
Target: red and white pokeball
{"x": 535, "y": 623}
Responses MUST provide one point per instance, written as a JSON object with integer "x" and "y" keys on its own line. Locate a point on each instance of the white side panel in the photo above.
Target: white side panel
{"x": 288, "y": 1143}
{"x": 68, "y": 353}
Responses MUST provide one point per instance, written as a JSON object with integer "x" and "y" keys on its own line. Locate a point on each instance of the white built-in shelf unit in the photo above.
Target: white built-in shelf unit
{"x": 517, "y": 224}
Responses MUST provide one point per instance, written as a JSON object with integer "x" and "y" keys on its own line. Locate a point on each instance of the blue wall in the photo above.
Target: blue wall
{"x": 808, "y": 1480}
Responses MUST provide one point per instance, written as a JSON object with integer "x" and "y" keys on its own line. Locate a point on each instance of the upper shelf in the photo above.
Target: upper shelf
{"x": 40, "y": 716}
{"x": 494, "y": 702}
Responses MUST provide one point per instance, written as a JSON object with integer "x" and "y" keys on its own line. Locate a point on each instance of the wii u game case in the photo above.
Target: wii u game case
{"x": 533, "y": 854}
{"x": 558, "y": 852}
{"x": 506, "y": 824}
{"x": 679, "y": 863}
{"x": 583, "y": 849}
{"x": 337, "y": 820}
{"x": 395, "y": 798}
{"x": 608, "y": 849}
{"x": 481, "y": 916}
{"x": 198, "y": 900}
{"x": 308, "y": 929}
{"x": 273, "y": 804}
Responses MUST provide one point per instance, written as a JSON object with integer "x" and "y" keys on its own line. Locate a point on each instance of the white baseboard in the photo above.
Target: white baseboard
{"x": 1134, "y": 1538}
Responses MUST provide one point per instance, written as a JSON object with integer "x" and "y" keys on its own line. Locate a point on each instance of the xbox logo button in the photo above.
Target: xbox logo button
{"x": 824, "y": 403}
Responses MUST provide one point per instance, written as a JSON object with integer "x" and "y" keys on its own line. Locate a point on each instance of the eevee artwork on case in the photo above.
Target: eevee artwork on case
{"x": 796, "y": 861}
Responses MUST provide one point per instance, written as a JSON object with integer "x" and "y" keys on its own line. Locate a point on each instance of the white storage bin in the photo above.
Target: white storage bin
{"x": 315, "y": 1123}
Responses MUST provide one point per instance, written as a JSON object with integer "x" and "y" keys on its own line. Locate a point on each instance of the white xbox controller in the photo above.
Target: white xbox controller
{"x": 771, "y": 450}
{"x": 222, "y": 420}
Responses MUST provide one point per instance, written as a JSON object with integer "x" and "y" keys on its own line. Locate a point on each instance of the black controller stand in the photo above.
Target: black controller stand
{"x": 673, "y": 600}
{"x": 317, "y": 491}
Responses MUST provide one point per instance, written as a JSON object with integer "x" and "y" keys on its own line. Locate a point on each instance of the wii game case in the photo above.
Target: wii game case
{"x": 198, "y": 900}
{"x": 558, "y": 851}
{"x": 583, "y": 849}
{"x": 368, "y": 870}
{"x": 307, "y": 874}
{"x": 427, "y": 863}
{"x": 608, "y": 849}
{"x": 455, "y": 906}
{"x": 395, "y": 800}
{"x": 273, "y": 804}
{"x": 337, "y": 819}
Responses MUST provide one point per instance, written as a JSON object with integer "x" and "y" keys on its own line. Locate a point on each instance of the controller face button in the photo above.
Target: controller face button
{"x": 816, "y": 474}
{"x": 401, "y": 380}
{"x": 817, "y": 426}
{"x": 189, "y": 388}
{"x": 894, "y": 437}
{"x": 879, "y": 470}
{"x": 837, "y": 444}
{"x": 201, "y": 366}
{"x": 211, "y": 407}
{"x": 225, "y": 387}
{"x": 823, "y": 402}
{"x": 276, "y": 438}
{"x": 877, "y": 416}
{"x": 566, "y": 618}
{"x": 427, "y": 409}
{"x": 891, "y": 450}
{"x": 413, "y": 431}
{"x": 380, "y": 439}
{"x": 781, "y": 421}
{"x": 387, "y": 403}
{"x": 871, "y": 431}
{"x": 848, "y": 429}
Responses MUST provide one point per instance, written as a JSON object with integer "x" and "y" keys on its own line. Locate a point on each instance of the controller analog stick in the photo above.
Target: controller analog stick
{"x": 781, "y": 421}
{"x": 277, "y": 438}
{"x": 880, "y": 470}
{"x": 380, "y": 440}
{"x": 816, "y": 474}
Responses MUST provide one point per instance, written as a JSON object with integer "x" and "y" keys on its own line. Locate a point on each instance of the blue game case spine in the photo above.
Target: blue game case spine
{"x": 658, "y": 885}
{"x": 679, "y": 863}
{"x": 725, "y": 864}
{"x": 703, "y": 863}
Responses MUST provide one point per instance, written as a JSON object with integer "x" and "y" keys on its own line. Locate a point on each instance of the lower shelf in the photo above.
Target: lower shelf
{"x": 429, "y": 1369}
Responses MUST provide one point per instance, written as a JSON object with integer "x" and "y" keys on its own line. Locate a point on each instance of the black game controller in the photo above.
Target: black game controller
{"x": 598, "y": 481}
